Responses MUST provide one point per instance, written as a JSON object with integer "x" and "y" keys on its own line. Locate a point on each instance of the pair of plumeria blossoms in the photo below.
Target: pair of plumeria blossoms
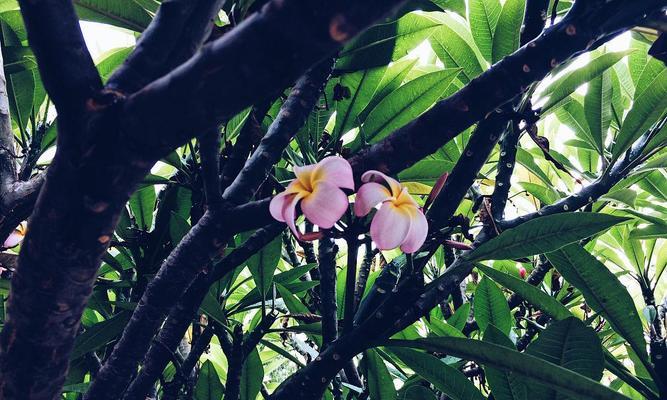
{"x": 318, "y": 190}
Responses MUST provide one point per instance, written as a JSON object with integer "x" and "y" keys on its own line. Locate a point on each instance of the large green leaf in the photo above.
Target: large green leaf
{"x": 505, "y": 385}
{"x": 99, "y": 334}
{"x": 597, "y": 105}
{"x": 252, "y": 376}
{"x": 405, "y": 104}
{"x": 122, "y": 13}
{"x": 263, "y": 264}
{"x": 573, "y": 114}
{"x": 531, "y": 367}
{"x": 208, "y": 385}
{"x": 528, "y": 292}
{"x": 362, "y": 86}
{"x": 483, "y": 17}
{"x": 111, "y": 61}
{"x": 572, "y": 345}
{"x": 453, "y": 44}
{"x": 542, "y": 235}
{"x": 447, "y": 379}
{"x": 569, "y": 82}
{"x": 392, "y": 80}
{"x": 380, "y": 384}
{"x": 647, "y": 109}
{"x": 507, "y": 36}
{"x": 383, "y": 43}
{"x": 491, "y": 307}
{"x": 602, "y": 291}
{"x": 142, "y": 205}
{"x": 426, "y": 171}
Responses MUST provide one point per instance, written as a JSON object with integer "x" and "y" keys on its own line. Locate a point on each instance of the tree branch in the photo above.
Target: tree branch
{"x": 67, "y": 69}
{"x": 587, "y": 25}
{"x": 175, "y": 34}
{"x": 308, "y": 32}
{"x": 204, "y": 241}
{"x": 182, "y": 313}
{"x": 329, "y": 310}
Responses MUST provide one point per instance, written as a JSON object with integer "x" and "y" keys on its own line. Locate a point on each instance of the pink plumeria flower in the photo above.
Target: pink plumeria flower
{"x": 399, "y": 221}
{"x": 318, "y": 188}
{"x": 15, "y": 237}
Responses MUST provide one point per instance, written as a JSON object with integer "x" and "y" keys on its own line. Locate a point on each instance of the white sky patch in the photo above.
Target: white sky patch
{"x": 101, "y": 38}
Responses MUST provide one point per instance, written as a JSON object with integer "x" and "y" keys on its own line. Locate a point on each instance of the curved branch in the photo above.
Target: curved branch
{"x": 175, "y": 34}
{"x": 307, "y": 31}
{"x": 65, "y": 65}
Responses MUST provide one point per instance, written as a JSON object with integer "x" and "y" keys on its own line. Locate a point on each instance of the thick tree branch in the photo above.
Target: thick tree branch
{"x": 175, "y": 34}
{"x": 308, "y": 32}
{"x": 67, "y": 69}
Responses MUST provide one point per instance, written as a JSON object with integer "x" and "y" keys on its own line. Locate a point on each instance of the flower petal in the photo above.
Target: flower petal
{"x": 335, "y": 170}
{"x": 418, "y": 230}
{"x": 13, "y": 239}
{"x": 325, "y": 205}
{"x": 369, "y": 195}
{"x": 379, "y": 177}
{"x": 289, "y": 213}
{"x": 390, "y": 226}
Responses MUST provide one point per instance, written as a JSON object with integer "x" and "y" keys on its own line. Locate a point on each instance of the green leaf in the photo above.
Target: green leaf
{"x": 490, "y": 307}
{"x": 460, "y": 316}
{"x": 208, "y": 385}
{"x": 646, "y": 110}
{"x": 392, "y": 80}
{"x": 99, "y": 334}
{"x": 531, "y": 367}
{"x": 569, "y": 82}
{"x": 543, "y": 234}
{"x": 252, "y": 376}
{"x": 178, "y": 228}
{"x": 597, "y": 105}
{"x": 380, "y": 384}
{"x": 142, "y": 204}
{"x": 528, "y": 292}
{"x": 111, "y": 61}
{"x": 447, "y": 379}
{"x": 574, "y": 116}
{"x": 405, "y": 104}
{"x": 362, "y": 86}
{"x": 386, "y": 42}
{"x": 572, "y": 345}
{"x": 602, "y": 291}
{"x": 426, "y": 171}
{"x": 122, "y": 13}
{"x": 483, "y": 17}
{"x": 454, "y": 46}
{"x": 506, "y": 38}
{"x": 652, "y": 231}
{"x": 504, "y": 385}
{"x": 21, "y": 89}
{"x": 263, "y": 264}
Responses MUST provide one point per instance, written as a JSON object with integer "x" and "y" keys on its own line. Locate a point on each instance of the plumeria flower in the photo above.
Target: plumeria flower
{"x": 399, "y": 221}
{"x": 318, "y": 190}
{"x": 15, "y": 237}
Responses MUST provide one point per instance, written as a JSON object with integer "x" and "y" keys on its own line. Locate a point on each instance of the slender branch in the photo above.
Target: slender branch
{"x": 588, "y": 24}
{"x": 308, "y": 32}
{"x": 67, "y": 69}
{"x": 329, "y": 310}
{"x": 204, "y": 241}
{"x": 209, "y": 147}
{"x": 465, "y": 171}
{"x": 248, "y": 138}
{"x": 7, "y": 148}
{"x": 175, "y": 34}
{"x": 364, "y": 272}
{"x": 235, "y": 366}
{"x": 349, "y": 307}
{"x": 195, "y": 250}
{"x": 182, "y": 313}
